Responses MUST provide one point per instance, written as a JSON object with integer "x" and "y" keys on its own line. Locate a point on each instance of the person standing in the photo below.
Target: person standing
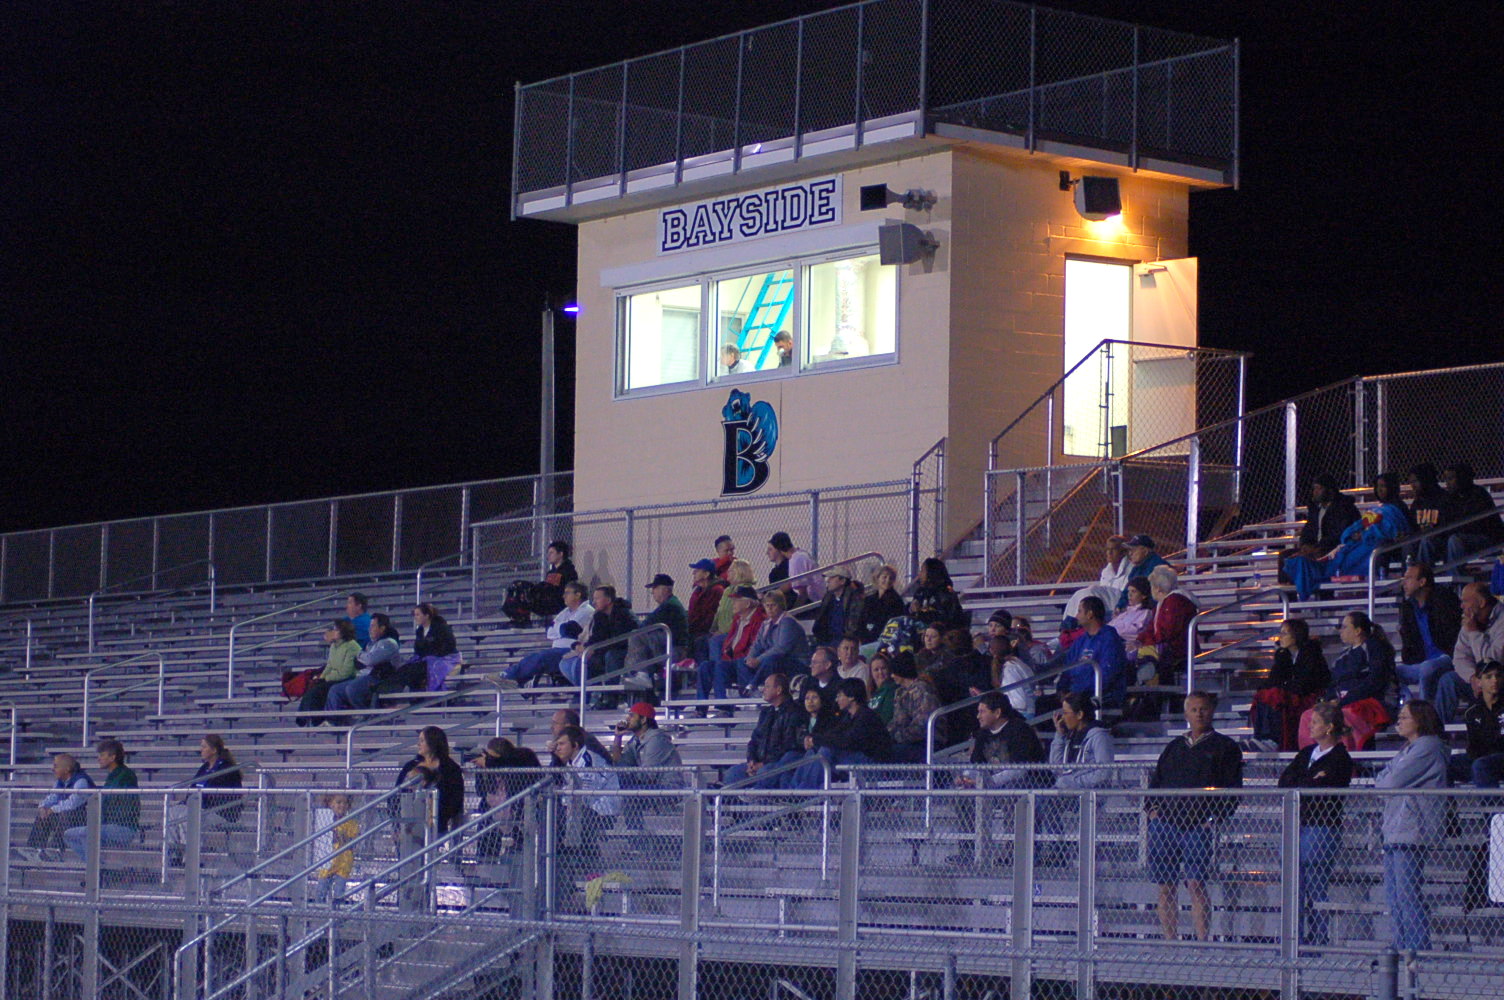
{"x": 1324, "y": 764}
{"x": 1182, "y": 831}
{"x": 1412, "y": 823}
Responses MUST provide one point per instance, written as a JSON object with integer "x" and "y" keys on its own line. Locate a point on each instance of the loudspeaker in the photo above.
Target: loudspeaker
{"x": 874, "y": 196}
{"x": 1097, "y": 198}
{"x": 902, "y": 243}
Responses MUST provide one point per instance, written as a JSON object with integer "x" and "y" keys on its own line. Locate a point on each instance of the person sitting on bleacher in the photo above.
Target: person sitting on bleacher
{"x": 1182, "y": 831}
{"x": 338, "y": 667}
{"x": 1032, "y": 651}
{"x": 217, "y": 769}
{"x": 858, "y": 737}
{"x": 1329, "y": 514}
{"x": 1164, "y": 637}
{"x": 591, "y": 815}
{"x": 1481, "y": 639}
{"x": 435, "y": 651}
{"x": 822, "y": 674}
{"x": 561, "y": 720}
{"x": 1298, "y": 676}
{"x": 1081, "y": 740}
{"x": 546, "y": 596}
{"x": 776, "y": 739}
{"x": 645, "y": 651}
{"x": 1142, "y": 561}
{"x": 935, "y": 601}
{"x": 739, "y": 574}
{"x": 376, "y": 666}
{"x": 849, "y": 662}
{"x": 60, "y": 810}
{"x": 1427, "y": 499}
{"x": 577, "y": 612}
{"x": 120, "y": 814}
{"x": 840, "y": 609}
{"x": 880, "y": 605}
{"x": 884, "y": 687}
{"x": 1363, "y": 684}
{"x": 1111, "y": 580}
{"x": 438, "y": 770}
{"x": 1008, "y": 670}
{"x": 1430, "y": 618}
{"x": 1349, "y": 559}
{"x": 780, "y": 646}
{"x": 912, "y": 706}
{"x": 1098, "y": 643}
{"x": 1483, "y": 763}
{"x": 704, "y": 602}
{"x": 1467, "y": 499}
{"x": 719, "y": 670}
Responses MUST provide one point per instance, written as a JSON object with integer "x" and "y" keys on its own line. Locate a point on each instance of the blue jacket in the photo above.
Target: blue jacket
{"x": 784, "y": 637}
{"x": 60, "y": 803}
{"x": 1106, "y": 648}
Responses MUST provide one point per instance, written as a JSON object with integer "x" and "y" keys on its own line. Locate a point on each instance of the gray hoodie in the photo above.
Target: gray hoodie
{"x": 1414, "y": 820}
{"x": 1094, "y": 747}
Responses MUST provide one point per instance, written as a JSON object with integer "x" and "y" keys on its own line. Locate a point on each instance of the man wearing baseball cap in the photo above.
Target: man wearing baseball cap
{"x": 704, "y": 601}
{"x": 651, "y": 747}
{"x": 1141, "y": 562}
{"x": 643, "y": 651}
{"x": 840, "y": 611}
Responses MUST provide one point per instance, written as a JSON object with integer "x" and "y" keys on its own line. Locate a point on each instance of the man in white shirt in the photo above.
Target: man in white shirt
{"x": 578, "y": 612}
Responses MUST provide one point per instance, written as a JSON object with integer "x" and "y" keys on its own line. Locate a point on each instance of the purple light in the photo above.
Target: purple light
{"x": 572, "y": 309}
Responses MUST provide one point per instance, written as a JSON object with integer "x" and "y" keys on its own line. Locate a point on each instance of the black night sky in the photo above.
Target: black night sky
{"x": 260, "y": 251}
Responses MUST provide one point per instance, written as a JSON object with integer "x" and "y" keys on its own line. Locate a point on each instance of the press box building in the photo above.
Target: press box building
{"x": 812, "y": 253}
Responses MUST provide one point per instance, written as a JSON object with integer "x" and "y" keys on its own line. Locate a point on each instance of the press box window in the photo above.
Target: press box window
{"x": 661, "y": 337}
{"x": 755, "y": 323}
{"x": 851, "y": 310}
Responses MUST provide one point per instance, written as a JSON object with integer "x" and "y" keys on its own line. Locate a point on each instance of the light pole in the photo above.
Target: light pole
{"x": 547, "y": 425}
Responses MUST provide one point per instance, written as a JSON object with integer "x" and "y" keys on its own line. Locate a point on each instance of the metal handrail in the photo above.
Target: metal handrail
{"x": 1050, "y": 392}
{"x": 1408, "y": 540}
{"x": 821, "y": 571}
{"x": 616, "y": 640}
{"x": 230, "y": 663}
{"x": 396, "y": 714}
{"x": 1195, "y": 623}
{"x": 152, "y": 576}
{"x": 89, "y": 677}
{"x": 26, "y": 645}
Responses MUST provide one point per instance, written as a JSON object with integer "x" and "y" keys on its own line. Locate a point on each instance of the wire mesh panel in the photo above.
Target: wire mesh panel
{"x": 26, "y": 565}
{"x": 769, "y": 61}
{"x": 652, "y": 108}
{"x": 181, "y": 539}
{"x": 240, "y": 545}
{"x": 363, "y": 535}
{"x": 430, "y": 526}
{"x": 77, "y": 568}
{"x": 130, "y": 551}
{"x": 1415, "y": 418}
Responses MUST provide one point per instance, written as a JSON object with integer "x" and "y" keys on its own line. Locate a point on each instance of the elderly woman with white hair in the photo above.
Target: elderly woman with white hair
{"x": 1164, "y": 637}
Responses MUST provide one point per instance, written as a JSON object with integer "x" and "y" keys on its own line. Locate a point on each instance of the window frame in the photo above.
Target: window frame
{"x": 710, "y": 334}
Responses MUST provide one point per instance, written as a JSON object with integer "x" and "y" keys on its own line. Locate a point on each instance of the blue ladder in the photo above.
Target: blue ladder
{"x": 771, "y": 307}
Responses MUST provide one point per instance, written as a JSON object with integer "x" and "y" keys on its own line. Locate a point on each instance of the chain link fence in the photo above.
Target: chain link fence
{"x": 607, "y": 883}
{"x": 627, "y": 547}
{"x": 374, "y": 533}
{"x": 843, "y": 74}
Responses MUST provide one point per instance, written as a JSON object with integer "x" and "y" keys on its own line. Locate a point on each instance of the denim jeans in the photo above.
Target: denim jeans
{"x": 811, "y": 775}
{"x": 353, "y": 693}
{"x": 110, "y": 835}
{"x": 533, "y": 664}
{"x": 1424, "y": 673}
{"x": 1409, "y": 920}
{"x": 1488, "y": 771}
{"x": 1318, "y": 850}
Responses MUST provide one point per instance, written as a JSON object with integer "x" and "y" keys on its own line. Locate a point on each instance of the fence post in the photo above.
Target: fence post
{"x": 89, "y": 973}
{"x": 396, "y": 531}
{"x": 988, "y": 499}
{"x": 1018, "y": 543}
{"x": 814, "y": 520}
{"x": 914, "y": 520}
{"x": 851, "y": 859}
{"x": 1193, "y": 498}
{"x": 1086, "y": 894}
{"x": 1238, "y": 429}
{"x": 1291, "y": 450}
{"x": 5, "y": 798}
{"x": 1022, "y": 929}
{"x": 104, "y": 551}
{"x": 1386, "y": 969}
{"x": 52, "y": 563}
{"x": 1360, "y": 434}
{"x": 464, "y": 524}
{"x": 333, "y": 534}
{"x": 1289, "y": 883}
{"x": 689, "y": 896}
{"x": 269, "y": 540}
{"x": 631, "y": 542}
{"x": 1381, "y": 425}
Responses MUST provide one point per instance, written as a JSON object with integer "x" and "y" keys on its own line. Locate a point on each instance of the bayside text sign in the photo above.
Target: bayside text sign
{"x": 737, "y": 218}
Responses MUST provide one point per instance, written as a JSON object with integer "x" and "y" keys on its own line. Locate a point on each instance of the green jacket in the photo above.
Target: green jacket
{"x": 341, "y": 665}
{"x": 121, "y": 810}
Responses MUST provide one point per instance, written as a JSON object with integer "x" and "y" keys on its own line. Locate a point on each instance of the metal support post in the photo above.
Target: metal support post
{"x": 989, "y": 492}
{"x": 1360, "y": 434}
{"x": 269, "y": 539}
{"x": 1020, "y": 526}
{"x": 547, "y": 433}
{"x": 814, "y": 520}
{"x": 1386, "y": 974}
{"x": 465, "y": 551}
{"x": 156, "y": 549}
{"x": 1291, "y": 450}
{"x": 913, "y": 538}
{"x": 689, "y": 898}
{"x": 1289, "y": 886}
{"x": 631, "y": 545}
{"x": 1381, "y": 425}
{"x": 104, "y": 551}
{"x": 333, "y": 536}
{"x": 1238, "y": 429}
{"x": 396, "y": 532}
{"x": 1133, "y": 116}
{"x": 851, "y": 859}
{"x": 1021, "y": 984}
{"x": 52, "y": 563}
{"x": 859, "y": 118}
{"x": 1086, "y": 894}
{"x": 5, "y": 802}
{"x": 1120, "y": 516}
{"x": 88, "y": 973}
{"x": 1193, "y": 498}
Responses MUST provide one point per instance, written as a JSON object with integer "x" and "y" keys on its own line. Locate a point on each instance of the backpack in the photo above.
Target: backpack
{"x": 900, "y": 635}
